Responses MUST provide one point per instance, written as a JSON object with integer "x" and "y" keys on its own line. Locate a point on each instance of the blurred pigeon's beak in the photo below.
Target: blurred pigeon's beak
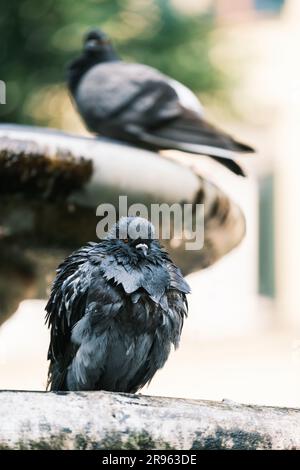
{"x": 143, "y": 247}
{"x": 91, "y": 45}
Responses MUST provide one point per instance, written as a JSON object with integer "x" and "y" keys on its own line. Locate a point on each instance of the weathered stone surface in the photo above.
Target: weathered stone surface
{"x": 101, "y": 420}
{"x": 60, "y": 177}
{"x": 51, "y": 184}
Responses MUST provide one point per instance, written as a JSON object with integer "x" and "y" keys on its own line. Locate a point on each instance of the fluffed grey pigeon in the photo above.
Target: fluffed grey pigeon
{"x": 115, "y": 310}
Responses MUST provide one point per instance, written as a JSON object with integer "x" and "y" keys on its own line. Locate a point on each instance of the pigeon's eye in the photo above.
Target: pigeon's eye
{"x": 126, "y": 240}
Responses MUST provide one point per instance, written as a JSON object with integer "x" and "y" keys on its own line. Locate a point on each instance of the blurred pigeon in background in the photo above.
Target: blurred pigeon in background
{"x": 115, "y": 309}
{"x": 138, "y": 104}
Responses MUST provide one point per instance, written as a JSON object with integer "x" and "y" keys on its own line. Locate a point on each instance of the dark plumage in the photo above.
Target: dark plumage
{"x": 115, "y": 309}
{"x": 138, "y": 104}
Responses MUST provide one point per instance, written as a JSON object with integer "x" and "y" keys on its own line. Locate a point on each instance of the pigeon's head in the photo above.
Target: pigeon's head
{"x": 135, "y": 235}
{"x": 97, "y": 48}
{"x": 97, "y": 43}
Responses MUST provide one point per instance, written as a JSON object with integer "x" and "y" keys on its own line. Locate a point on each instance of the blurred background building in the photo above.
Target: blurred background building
{"x": 242, "y": 338}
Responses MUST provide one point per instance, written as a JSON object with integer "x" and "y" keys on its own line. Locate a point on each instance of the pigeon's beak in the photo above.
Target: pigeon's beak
{"x": 91, "y": 45}
{"x": 96, "y": 44}
{"x": 143, "y": 247}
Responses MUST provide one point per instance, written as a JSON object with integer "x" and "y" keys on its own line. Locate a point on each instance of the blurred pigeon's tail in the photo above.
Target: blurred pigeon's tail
{"x": 191, "y": 133}
{"x": 230, "y": 165}
{"x": 56, "y": 378}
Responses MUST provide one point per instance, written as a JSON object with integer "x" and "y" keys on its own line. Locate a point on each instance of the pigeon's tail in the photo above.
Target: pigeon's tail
{"x": 56, "y": 378}
{"x": 190, "y": 133}
{"x": 230, "y": 165}
{"x": 243, "y": 148}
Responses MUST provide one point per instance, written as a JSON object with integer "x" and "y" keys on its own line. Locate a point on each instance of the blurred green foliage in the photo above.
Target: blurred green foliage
{"x": 38, "y": 37}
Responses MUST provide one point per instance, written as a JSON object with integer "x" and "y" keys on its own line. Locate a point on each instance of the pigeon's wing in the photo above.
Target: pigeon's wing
{"x": 81, "y": 305}
{"x": 176, "y": 294}
{"x": 187, "y": 98}
{"x": 177, "y": 280}
{"x": 65, "y": 307}
{"x": 111, "y": 95}
{"x": 67, "y": 301}
{"x": 137, "y": 103}
{"x": 171, "y": 326}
